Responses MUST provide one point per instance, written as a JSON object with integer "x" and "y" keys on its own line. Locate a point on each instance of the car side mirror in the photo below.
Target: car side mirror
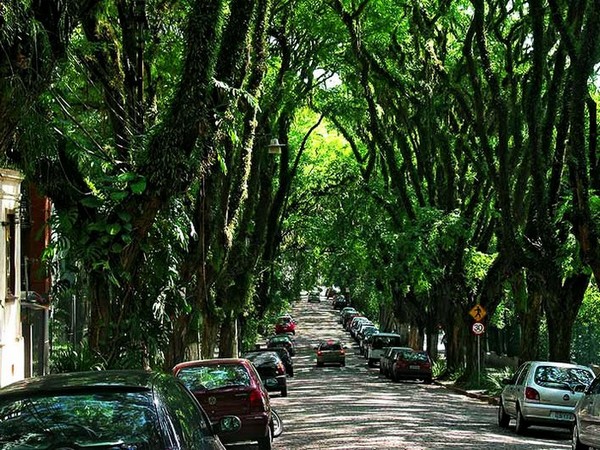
{"x": 227, "y": 424}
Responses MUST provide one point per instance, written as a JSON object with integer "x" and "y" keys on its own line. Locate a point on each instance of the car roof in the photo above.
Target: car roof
{"x": 211, "y": 362}
{"x": 557, "y": 364}
{"x": 386, "y": 334}
{"x": 76, "y": 381}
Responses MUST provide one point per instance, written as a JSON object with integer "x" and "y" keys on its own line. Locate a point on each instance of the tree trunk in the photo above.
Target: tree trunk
{"x": 228, "y": 337}
{"x": 530, "y": 325}
{"x": 561, "y": 312}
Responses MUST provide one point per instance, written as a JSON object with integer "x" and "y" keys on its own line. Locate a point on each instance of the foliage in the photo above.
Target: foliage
{"x": 586, "y": 331}
{"x": 74, "y": 358}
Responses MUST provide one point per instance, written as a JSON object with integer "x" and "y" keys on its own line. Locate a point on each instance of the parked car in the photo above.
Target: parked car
{"x": 387, "y": 358}
{"x": 314, "y": 296}
{"x": 271, "y": 369}
{"x": 339, "y": 302}
{"x": 361, "y": 327}
{"x": 331, "y": 351}
{"x": 227, "y": 386}
{"x": 586, "y": 433}
{"x": 377, "y": 343}
{"x": 364, "y": 340}
{"x": 412, "y": 365}
{"x": 355, "y": 325}
{"x": 344, "y": 312}
{"x": 287, "y": 360}
{"x": 282, "y": 340}
{"x": 107, "y": 409}
{"x": 285, "y": 324}
{"x": 543, "y": 393}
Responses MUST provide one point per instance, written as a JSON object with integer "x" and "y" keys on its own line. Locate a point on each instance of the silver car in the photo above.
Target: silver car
{"x": 543, "y": 393}
{"x": 586, "y": 431}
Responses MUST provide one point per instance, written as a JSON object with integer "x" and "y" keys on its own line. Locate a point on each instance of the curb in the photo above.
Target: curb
{"x": 482, "y": 397}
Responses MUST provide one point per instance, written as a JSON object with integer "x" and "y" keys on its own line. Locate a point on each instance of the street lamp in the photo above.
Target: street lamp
{"x": 275, "y": 147}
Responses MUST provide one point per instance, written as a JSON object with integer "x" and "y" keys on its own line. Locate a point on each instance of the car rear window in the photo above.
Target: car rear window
{"x": 563, "y": 377}
{"x": 414, "y": 356}
{"x": 331, "y": 346}
{"x": 197, "y": 378}
{"x": 112, "y": 416}
{"x": 378, "y": 341}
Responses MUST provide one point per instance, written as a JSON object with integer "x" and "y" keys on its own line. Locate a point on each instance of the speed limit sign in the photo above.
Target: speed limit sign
{"x": 478, "y": 328}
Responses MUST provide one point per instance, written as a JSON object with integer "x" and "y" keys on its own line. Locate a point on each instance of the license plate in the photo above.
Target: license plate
{"x": 414, "y": 367}
{"x": 561, "y": 415}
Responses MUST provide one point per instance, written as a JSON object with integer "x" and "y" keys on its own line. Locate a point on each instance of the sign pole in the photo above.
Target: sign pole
{"x": 479, "y": 359}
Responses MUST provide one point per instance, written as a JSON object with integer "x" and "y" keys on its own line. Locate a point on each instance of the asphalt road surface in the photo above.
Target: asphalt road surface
{"x": 353, "y": 407}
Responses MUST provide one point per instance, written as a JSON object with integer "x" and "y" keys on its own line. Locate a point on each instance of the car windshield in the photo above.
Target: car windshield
{"x": 562, "y": 377}
{"x": 263, "y": 357}
{"x": 197, "y": 378}
{"x": 123, "y": 419}
{"x": 279, "y": 340}
{"x": 379, "y": 341}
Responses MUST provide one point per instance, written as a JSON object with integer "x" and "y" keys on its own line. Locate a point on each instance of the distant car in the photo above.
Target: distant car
{"x": 377, "y": 343}
{"x": 271, "y": 369}
{"x": 285, "y": 324}
{"x": 355, "y": 324}
{"x": 344, "y": 312}
{"x": 339, "y": 302}
{"x": 106, "y": 409}
{"x": 412, "y": 365}
{"x": 331, "y": 351}
{"x": 282, "y": 340}
{"x": 227, "y": 386}
{"x": 314, "y": 296}
{"x": 543, "y": 393}
{"x": 387, "y": 359}
{"x": 586, "y": 433}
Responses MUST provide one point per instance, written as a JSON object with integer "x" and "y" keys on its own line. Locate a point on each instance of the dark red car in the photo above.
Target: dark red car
{"x": 415, "y": 365}
{"x": 285, "y": 324}
{"x": 231, "y": 386}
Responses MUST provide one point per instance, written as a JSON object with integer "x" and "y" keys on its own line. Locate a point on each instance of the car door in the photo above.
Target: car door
{"x": 589, "y": 415}
{"x": 510, "y": 394}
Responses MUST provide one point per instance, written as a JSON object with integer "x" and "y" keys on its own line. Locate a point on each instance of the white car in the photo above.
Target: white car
{"x": 543, "y": 393}
{"x": 378, "y": 342}
{"x": 586, "y": 433}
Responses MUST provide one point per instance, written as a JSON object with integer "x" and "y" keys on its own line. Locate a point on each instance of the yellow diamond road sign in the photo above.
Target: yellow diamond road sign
{"x": 477, "y": 312}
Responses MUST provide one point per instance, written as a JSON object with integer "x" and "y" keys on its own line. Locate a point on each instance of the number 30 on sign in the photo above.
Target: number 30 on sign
{"x": 478, "y": 328}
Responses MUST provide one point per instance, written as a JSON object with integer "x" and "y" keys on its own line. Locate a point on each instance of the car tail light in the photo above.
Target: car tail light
{"x": 319, "y": 353}
{"x": 257, "y": 402}
{"x": 342, "y": 352}
{"x": 532, "y": 394}
{"x": 280, "y": 368}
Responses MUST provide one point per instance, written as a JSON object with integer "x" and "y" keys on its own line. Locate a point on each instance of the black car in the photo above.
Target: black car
{"x": 282, "y": 340}
{"x": 285, "y": 356}
{"x": 271, "y": 369}
{"x": 106, "y": 409}
{"x": 340, "y": 302}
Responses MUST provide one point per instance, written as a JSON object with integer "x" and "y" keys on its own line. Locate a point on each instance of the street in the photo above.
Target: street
{"x": 353, "y": 407}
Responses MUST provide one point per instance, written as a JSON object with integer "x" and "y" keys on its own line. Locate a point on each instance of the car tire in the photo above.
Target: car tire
{"x": 371, "y": 363}
{"x": 266, "y": 442}
{"x": 427, "y": 380}
{"x": 503, "y": 418}
{"x": 284, "y": 392}
{"x": 522, "y": 424}
{"x": 343, "y": 364}
{"x": 291, "y": 373}
{"x": 576, "y": 444}
{"x": 319, "y": 364}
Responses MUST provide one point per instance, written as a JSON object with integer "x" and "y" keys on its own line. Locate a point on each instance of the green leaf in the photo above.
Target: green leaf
{"x": 124, "y": 216}
{"x": 139, "y": 186}
{"x": 113, "y": 229}
{"x": 127, "y": 176}
{"x": 91, "y": 202}
{"x": 118, "y": 196}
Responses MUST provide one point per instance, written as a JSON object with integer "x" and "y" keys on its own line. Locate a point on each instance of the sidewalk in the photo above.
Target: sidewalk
{"x": 479, "y": 395}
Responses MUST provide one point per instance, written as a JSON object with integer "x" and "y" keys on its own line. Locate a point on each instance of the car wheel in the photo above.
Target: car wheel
{"x": 265, "y": 443}
{"x": 576, "y": 444}
{"x": 284, "y": 392}
{"x": 291, "y": 373}
{"x": 319, "y": 364}
{"x": 427, "y": 380}
{"x": 522, "y": 424}
{"x": 371, "y": 363}
{"x": 343, "y": 364}
{"x": 503, "y": 418}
